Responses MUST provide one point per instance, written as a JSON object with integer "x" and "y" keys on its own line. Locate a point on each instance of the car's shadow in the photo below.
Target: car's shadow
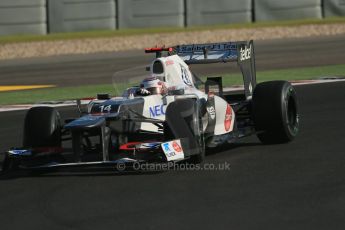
{"x": 113, "y": 171}
{"x": 69, "y": 173}
{"x": 228, "y": 147}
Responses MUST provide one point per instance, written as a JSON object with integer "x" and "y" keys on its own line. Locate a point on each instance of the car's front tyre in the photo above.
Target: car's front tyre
{"x": 42, "y": 128}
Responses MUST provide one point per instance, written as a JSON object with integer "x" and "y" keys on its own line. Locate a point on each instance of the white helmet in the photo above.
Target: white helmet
{"x": 153, "y": 85}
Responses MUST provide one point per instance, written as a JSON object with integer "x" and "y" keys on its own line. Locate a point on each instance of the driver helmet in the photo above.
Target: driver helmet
{"x": 153, "y": 85}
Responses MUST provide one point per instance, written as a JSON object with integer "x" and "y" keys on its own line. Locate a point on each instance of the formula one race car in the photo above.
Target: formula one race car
{"x": 170, "y": 116}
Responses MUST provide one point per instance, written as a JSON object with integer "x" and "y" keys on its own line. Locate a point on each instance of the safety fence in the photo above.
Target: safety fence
{"x": 53, "y": 16}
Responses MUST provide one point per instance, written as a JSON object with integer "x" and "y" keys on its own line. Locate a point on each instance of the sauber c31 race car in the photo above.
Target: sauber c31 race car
{"x": 170, "y": 116}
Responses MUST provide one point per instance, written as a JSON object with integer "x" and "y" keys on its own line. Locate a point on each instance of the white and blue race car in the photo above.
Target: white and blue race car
{"x": 168, "y": 115}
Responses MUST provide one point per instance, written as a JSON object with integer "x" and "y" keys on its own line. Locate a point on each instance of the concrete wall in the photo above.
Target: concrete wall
{"x": 150, "y": 13}
{"x": 206, "y": 12}
{"x": 51, "y": 16}
{"x": 269, "y": 10}
{"x": 334, "y": 8}
{"x": 80, "y": 15}
{"x": 23, "y": 17}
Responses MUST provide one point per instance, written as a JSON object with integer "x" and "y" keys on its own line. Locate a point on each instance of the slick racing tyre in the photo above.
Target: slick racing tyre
{"x": 275, "y": 112}
{"x": 183, "y": 121}
{"x": 42, "y": 128}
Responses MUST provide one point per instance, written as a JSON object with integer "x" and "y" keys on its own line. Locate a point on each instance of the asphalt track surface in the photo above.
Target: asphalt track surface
{"x": 300, "y": 185}
{"x": 75, "y": 70}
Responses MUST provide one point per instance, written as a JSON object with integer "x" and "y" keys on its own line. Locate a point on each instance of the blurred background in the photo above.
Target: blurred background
{"x": 54, "y": 16}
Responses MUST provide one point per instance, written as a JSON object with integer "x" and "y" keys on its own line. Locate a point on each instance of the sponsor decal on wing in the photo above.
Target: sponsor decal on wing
{"x": 228, "y": 118}
{"x": 173, "y": 150}
{"x": 176, "y": 147}
{"x": 212, "y": 112}
{"x": 245, "y": 53}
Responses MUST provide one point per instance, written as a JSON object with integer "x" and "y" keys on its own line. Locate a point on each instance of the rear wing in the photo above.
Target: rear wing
{"x": 241, "y": 52}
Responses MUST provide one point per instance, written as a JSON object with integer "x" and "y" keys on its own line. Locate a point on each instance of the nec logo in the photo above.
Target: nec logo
{"x": 157, "y": 110}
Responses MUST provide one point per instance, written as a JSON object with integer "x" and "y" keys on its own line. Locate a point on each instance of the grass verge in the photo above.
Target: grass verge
{"x": 289, "y": 74}
{"x": 129, "y": 32}
{"x": 66, "y": 93}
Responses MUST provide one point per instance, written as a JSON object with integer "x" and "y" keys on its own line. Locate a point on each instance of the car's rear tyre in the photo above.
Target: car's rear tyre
{"x": 183, "y": 120}
{"x": 275, "y": 112}
{"x": 42, "y": 128}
